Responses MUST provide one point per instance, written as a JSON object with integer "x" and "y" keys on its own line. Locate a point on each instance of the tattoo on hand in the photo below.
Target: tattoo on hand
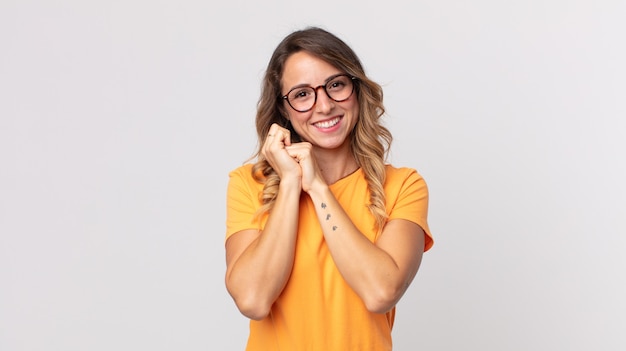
{"x": 323, "y": 205}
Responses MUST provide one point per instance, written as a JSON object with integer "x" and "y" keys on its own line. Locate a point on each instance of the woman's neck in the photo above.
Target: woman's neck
{"x": 335, "y": 164}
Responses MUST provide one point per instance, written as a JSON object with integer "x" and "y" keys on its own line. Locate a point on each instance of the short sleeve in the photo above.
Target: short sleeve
{"x": 241, "y": 201}
{"x": 408, "y": 199}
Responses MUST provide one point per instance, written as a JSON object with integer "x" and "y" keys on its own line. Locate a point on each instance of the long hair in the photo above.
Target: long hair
{"x": 369, "y": 140}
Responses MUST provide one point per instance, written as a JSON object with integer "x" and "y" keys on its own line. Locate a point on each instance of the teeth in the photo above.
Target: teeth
{"x": 328, "y": 124}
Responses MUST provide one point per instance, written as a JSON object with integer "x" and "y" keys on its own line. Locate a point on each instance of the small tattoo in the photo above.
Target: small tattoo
{"x": 323, "y": 205}
{"x": 327, "y": 216}
{"x": 334, "y": 228}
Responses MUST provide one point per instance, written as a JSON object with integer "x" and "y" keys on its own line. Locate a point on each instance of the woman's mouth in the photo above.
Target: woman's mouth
{"x": 327, "y": 124}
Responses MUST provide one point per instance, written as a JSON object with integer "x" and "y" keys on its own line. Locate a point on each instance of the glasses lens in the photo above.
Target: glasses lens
{"x": 302, "y": 99}
{"x": 340, "y": 88}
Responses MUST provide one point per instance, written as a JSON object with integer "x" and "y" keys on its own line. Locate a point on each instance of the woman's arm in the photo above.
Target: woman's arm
{"x": 378, "y": 272}
{"x": 259, "y": 263}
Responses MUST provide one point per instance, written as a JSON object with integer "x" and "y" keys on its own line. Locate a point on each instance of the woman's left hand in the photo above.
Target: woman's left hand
{"x": 303, "y": 154}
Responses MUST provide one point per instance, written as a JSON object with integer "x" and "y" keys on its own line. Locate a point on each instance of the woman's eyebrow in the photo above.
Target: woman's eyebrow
{"x": 305, "y": 85}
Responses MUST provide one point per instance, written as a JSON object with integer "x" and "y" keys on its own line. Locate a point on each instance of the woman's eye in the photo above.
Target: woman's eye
{"x": 300, "y": 94}
{"x": 338, "y": 84}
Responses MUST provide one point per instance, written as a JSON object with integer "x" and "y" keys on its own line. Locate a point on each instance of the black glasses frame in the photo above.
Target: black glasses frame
{"x": 325, "y": 86}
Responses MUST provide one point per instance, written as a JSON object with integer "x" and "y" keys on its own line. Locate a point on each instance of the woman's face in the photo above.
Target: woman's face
{"x": 329, "y": 123}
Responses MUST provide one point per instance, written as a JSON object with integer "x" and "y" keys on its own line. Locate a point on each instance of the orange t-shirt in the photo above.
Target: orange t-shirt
{"x": 317, "y": 309}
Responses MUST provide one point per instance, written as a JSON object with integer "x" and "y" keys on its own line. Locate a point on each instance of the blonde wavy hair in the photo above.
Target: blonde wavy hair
{"x": 370, "y": 140}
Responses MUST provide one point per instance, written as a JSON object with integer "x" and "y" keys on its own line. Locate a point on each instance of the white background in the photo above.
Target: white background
{"x": 120, "y": 120}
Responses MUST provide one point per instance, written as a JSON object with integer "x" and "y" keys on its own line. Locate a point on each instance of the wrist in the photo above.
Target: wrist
{"x": 318, "y": 190}
{"x": 290, "y": 182}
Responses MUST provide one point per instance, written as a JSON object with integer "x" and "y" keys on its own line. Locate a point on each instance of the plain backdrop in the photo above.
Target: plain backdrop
{"x": 120, "y": 120}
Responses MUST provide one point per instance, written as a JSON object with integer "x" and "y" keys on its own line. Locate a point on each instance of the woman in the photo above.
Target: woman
{"x": 323, "y": 238}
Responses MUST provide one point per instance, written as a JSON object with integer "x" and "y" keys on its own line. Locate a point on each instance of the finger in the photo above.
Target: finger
{"x": 287, "y": 139}
{"x": 278, "y": 134}
{"x": 299, "y": 151}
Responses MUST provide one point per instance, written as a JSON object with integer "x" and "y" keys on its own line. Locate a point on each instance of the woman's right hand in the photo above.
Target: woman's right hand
{"x": 274, "y": 151}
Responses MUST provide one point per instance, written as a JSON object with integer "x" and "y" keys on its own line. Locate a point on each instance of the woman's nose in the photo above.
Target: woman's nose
{"x": 324, "y": 103}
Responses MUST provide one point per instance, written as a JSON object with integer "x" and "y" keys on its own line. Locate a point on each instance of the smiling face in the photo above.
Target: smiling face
{"x": 329, "y": 123}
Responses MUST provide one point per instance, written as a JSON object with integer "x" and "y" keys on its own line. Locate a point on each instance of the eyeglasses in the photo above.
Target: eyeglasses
{"x": 303, "y": 98}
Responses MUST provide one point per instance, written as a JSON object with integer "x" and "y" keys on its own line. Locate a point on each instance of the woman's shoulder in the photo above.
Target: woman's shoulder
{"x": 241, "y": 178}
{"x": 242, "y": 174}
{"x": 245, "y": 169}
{"x": 394, "y": 172}
{"x": 398, "y": 178}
